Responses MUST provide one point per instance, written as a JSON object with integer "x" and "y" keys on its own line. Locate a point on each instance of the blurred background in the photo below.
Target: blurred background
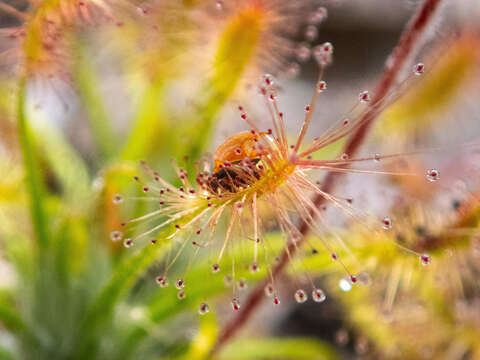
{"x": 89, "y": 88}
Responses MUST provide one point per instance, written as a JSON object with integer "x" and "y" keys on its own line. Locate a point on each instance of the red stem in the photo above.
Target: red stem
{"x": 394, "y": 66}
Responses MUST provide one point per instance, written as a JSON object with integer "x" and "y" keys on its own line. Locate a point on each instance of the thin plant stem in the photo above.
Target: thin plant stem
{"x": 395, "y": 64}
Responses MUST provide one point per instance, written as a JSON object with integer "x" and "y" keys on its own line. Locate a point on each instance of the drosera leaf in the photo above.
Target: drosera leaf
{"x": 124, "y": 277}
{"x": 9, "y": 318}
{"x": 66, "y": 164}
{"x": 234, "y": 52}
{"x": 149, "y": 125}
{"x": 33, "y": 176}
{"x": 283, "y": 348}
{"x": 87, "y": 89}
{"x": 204, "y": 339}
{"x": 418, "y": 109}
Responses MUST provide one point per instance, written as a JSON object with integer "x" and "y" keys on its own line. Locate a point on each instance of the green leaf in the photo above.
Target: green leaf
{"x": 279, "y": 348}
{"x": 68, "y": 167}
{"x": 149, "y": 129}
{"x": 33, "y": 175}
{"x": 124, "y": 277}
{"x": 87, "y": 84}
{"x": 9, "y": 318}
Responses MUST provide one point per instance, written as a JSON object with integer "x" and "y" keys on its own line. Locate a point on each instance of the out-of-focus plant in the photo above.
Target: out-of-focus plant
{"x": 74, "y": 294}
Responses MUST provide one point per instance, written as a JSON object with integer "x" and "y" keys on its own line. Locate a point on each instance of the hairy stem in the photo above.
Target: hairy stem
{"x": 395, "y": 64}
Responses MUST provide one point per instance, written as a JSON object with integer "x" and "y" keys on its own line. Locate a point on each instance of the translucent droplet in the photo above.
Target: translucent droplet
{"x": 303, "y": 52}
{"x": 203, "y": 308}
{"x": 345, "y": 285}
{"x": 116, "y": 235}
{"x": 311, "y": 33}
{"x": 242, "y": 284}
{"x": 180, "y": 284}
{"x": 219, "y": 5}
{"x": 376, "y": 157}
{"x": 161, "y": 281}
{"x": 276, "y": 300}
{"x": 269, "y": 290}
{"x": 117, "y": 199}
{"x": 364, "y": 96}
{"x": 181, "y": 295}
{"x": 235, "y": 304}
{"x": 215, "y": 268}
{"x": 317, "y": 16}
{"x": 344, "y": 156}
{"x": 228, "y": 280}
{"x": 353, "y": 279}
{"x": 433, "y": 175}
{"x": 254, "y": 268}
{"x": 364, "y": 278}
{"x": 292, "y": 70}
{"x": 342, "y": 337}
{"x": 300, "y": 296}
{"x": 128, "y": 243}
{"x": 327, "y": 47}
{"x": 425, "y": 259}
{"x": 418, "y": 69}
{"x": 318, "y": 295}
{"x": 387, "y": 223}
{"x": 321, "y": 86}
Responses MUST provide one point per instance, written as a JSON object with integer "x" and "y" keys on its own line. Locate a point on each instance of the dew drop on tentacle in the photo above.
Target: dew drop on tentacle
{"x": 376, "y": 157}
{"x": 364, "y": 278}
{"x": 276, "y": 300}
{"x": 418, "y": 69}
{"x": 318, "y": 15}
{"x": 300, "y": 296}
{"x": 228, "y": 280}
{"x": 161, "y": 281}
{"x": 353, "y": 279}
{"x": 433, "y": 175}
{"x": 235, "y": 304}
{"x": 364, "y": 96}
{"x": 219, "y": 5}
{"x": 269, "y": 290}
{"x": 303, "y": 52}
{"x": 425, "y": 259}
{"x": 128, "y": 243}
{"x": 311, "y": 33}
{"x": 242, "y": 284}
{"x": 116, "y": 235}
{"x": 203, "y": 308}
{"x": 117, "y": 199}
{"x": 318, "y": 295}
{"x": 292, "y": 70}
{"x": 254, "y": 268}
{"x": 181, "y": 295}
{"x": 180, "y": 284}
{"x": 387, "y": 223}
{"x": 345, "y": 285}
{"x": 215, "y": 268}
{"x": 321, "y": 86}
{"x": 334, "y": 256}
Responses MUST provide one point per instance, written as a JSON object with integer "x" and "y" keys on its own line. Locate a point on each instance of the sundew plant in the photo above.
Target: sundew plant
{"x": 188, "y": 179}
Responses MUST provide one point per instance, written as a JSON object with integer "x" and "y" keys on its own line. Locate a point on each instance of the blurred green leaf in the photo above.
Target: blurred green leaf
{"x": 149, "y": 126}
{"x": 123, "y": 279}
{"x": 279, "y": 348}
{"x": 33, "y": 175}
{"x": 87, "y": 83}
{"x": 68, "y": 167}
